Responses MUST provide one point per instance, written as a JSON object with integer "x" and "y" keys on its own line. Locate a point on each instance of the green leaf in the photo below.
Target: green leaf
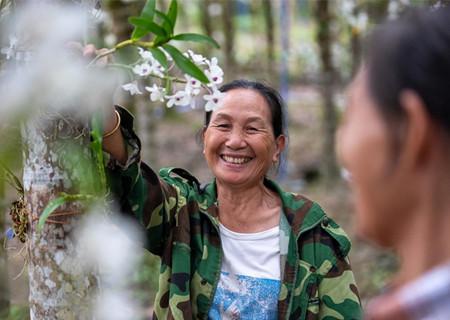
{"x": 172, "y": 13}
{"x": 12, "y": 179}
{"x": 185, "y": 64}
{"x": 167, "y": 23}
{"x": 195, "y": 37}
{"x": 138, "y": 33}
{"x": 49, "y": 209}
{"x": 160, "y": 57}
{"x": 97, "y": 152}
{"x": 148, "y": 26}
{"x": 148, "y": 11}
{"x": 63, "y": 198}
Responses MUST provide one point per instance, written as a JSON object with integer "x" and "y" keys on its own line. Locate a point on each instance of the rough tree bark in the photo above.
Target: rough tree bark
{"x": 60, "y": 287}
{"x": 323, "y": 20}
{"x": 4, "y": 288}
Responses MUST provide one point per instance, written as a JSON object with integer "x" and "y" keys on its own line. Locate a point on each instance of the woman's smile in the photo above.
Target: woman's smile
{"x": 239, "y": 160}
{"x": 239, "y": 143}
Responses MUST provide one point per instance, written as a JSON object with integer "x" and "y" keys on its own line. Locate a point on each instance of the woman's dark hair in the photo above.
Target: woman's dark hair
{"x": 412, "y": 52}
{"x": 272, "y": 97}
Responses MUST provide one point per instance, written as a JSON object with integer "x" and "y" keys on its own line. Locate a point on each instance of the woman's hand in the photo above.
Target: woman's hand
{"x": 90, "y": 52}
{"x": 113, "y": 141}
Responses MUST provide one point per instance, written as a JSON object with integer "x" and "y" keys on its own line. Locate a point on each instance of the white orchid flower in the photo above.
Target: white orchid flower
{"x": 180, "y": 98}
{"x": 142, "y": 69}
{"x": 193, "y": 86}
{"x": 156, "y": 93}
{"x": 197, "y": 58}
{"x": 215, "y": 73}
{"x": 213, "y": 100}
{"x": 132, "y": 88}
{"x": 145, "y": 54}
{"x": 147, "y": 68}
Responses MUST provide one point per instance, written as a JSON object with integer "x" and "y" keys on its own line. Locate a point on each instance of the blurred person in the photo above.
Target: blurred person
{"x": 239, "y": 247}
{"x": 395, "y": 143}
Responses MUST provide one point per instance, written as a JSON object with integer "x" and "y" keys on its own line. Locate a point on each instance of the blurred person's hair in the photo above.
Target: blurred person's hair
{"x": 413, "y": 53}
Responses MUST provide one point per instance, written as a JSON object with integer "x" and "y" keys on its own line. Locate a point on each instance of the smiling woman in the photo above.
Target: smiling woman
{"x": 240, "y": 247}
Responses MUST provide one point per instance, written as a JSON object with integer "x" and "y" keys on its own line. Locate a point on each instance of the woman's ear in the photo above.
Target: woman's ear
{"x": 280, "y": 142}
{"x": 418, "y": 131}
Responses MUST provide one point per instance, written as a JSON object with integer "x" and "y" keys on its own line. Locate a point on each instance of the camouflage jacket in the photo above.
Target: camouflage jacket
{"x": 181, "y": 222}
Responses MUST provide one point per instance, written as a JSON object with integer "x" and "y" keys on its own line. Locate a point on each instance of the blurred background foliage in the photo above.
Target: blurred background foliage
{"x": 307, "y": 49}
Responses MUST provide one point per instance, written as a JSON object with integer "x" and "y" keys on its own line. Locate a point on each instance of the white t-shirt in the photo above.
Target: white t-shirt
{"x": 428, "y": 297}
{"x": 250, "y": 276}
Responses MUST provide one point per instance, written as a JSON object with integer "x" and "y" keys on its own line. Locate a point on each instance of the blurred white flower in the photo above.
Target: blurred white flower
{"x": 197, "y": 58}
{"x": 10, "y": 51}
{"x": 180, "y": 98}
{"x": 215, "y": 73}
{"x": 156, "y": 93}
{"x": 347, "y": 7}
{"x": 193, "y": 85}
{"x": 360, "y": 22}
{"x": 213, "y": 100}
{"x": 53, "y": 79}
{"x": 111, "y": 245}
{"x": 132, "y": 88}
{"x": 145, "y": 54}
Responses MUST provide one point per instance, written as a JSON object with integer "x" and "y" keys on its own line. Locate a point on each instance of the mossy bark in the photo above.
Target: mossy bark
{"x": 61, "y": 287}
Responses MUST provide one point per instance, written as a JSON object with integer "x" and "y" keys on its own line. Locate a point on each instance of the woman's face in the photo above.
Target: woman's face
{"x": 365, "y": 148}
{"x": 239, "y": 143}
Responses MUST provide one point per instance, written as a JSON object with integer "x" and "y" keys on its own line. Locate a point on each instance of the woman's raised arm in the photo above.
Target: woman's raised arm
{"x": 113, "y": 141}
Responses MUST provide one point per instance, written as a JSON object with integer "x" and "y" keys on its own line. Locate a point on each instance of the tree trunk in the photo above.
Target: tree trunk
{"x": 323, "y": 18}
{"x": 120, "y": 11}
{"x": 205, "y": 17}
{"x": 269, "y": 24}
{"x": 229, "y": 33}
{"x": 60, "y": 287}
{"x": 4, "y": 288}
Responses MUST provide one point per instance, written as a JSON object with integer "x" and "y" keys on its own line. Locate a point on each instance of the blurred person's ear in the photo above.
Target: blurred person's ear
{"x": 416, "y": 138}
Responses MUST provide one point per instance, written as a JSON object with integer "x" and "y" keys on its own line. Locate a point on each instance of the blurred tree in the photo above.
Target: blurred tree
{"x": 205, "y": 16}
{"x": 228, "y": 11}
{"x": 324, "y": 20}
{"x": 120, "y": 11}
{"x": 269, "y": 24}
{"x": 377, "y": 10}
{"x": 355, "y": 42}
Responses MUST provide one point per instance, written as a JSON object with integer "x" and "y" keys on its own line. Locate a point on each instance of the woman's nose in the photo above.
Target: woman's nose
{"x": 236, "y": 140}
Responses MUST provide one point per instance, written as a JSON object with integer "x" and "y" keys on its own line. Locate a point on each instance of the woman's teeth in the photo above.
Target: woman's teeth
{"x": 236, "y": 160}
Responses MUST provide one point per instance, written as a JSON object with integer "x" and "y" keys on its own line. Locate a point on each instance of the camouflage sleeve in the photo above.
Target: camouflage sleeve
{"x": 338, "y": 294}
{"x": 140, "y": 193}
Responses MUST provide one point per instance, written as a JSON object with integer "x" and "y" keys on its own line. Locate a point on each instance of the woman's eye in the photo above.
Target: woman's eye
{"x": 223, "y": 126}
{"x": 252, "y": 129}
